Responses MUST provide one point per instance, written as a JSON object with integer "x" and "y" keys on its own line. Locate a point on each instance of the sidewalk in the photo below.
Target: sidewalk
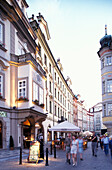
{"x": 101, "y": 162}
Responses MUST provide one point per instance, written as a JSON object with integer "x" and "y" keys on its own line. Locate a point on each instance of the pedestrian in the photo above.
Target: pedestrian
{"x": 74, "y": 150}
{"x": 67, "y": 147}
{"x": 110, "y": 146}
{"x": 94, "y": 144}
{"x": 80, "y": 140}
{"x": 106, "y": 144}
{"x": 101, "y": 142}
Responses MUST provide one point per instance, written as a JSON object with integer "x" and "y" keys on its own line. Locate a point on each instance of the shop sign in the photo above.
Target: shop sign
{"x": 3, "y": 114}
{"x": 34, "y": 152}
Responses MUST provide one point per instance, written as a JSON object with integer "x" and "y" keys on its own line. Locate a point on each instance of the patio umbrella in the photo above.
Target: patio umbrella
{"x": 65, "y": 127}
{"x": 87, "y": 133}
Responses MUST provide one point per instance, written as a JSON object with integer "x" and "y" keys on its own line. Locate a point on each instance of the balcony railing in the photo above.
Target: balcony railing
{"x": 26, "y": 57}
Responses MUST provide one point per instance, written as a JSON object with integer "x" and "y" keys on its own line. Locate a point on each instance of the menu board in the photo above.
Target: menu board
{"x": 34, "y": 152}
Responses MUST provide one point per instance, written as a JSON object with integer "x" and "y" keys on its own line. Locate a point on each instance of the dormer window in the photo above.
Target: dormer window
{"x": 22, "y": 7}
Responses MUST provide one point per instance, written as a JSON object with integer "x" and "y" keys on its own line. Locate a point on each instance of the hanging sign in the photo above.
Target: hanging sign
{"x": 34, "y": 152}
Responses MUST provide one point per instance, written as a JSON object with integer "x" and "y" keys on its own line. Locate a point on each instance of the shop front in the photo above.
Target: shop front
{"x": 30, "y": 128}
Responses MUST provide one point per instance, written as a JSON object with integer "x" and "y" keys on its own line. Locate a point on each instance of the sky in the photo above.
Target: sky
{"x": 76, "y": 27}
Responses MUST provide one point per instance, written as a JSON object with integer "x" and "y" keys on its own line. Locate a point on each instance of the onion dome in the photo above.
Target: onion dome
{"x": 105, "y": 41}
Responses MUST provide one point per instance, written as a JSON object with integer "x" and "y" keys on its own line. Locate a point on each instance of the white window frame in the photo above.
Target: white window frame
{"x": 109, "y": 109}
{"x": 41, "y": 96}
{"x": 1, "y": 84}
{"x": 109, "y": 85}
{"x": 1, "y": 33}
{"x": 109, "y": 60}
{"x": 35, "y": 91}
{"x": 23, "y": 94}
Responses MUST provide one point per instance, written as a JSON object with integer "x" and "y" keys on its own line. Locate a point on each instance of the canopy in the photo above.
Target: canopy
{"x": 65, "y": 127}
{"x": 87, "y": 133}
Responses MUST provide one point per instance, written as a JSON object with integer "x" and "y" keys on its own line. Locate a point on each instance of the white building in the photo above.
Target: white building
{"x": 34, "y": 95}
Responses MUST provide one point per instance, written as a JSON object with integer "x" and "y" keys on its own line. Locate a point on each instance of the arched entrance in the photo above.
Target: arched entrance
{"x": 27, "y": 127}
{"x": 1, "y": 134}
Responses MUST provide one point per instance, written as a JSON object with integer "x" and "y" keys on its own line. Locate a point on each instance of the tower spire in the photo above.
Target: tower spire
{"x": 105, "y": 29}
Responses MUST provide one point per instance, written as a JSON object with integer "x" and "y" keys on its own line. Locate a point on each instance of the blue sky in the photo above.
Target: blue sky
{"x": 76, "y": 27}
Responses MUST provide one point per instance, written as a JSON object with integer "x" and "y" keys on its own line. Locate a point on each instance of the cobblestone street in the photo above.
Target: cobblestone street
{"x": 9, "y": 160}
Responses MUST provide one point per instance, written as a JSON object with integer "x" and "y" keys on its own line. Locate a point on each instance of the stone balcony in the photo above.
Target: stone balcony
{"x": 21, "y": 59}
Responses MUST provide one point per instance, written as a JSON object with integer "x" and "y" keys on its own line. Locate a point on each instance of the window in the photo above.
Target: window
{"x": 50, "y": 107}
{"x": 35, "y": 92}
{"x": 1, "y": 85}
{"x": 109, "y": 109}
{"x": 61, "y": 98}
{"x": 41, "y": 96}
{"x": 46, "y": 84}
{"x": 109, "y": 60}
{"x": 55, "y": 92}
{"x": 55, "y": 111}
{"x": 39, "y": 52}
{"x": 22, "y": 88}
{"x": 103, "y": 87}
{"x": 102, "y": 63}
{"x": 55, "y": 76}
{"x": 63, "y": 87}
{"x": 45, "y": 60}
{"x": 58, "y": 80}
{"x": 58, "y": 112}
{"x": 50, "y": 89}
{"x": 49, "y": 67}
{"x": 109, "y": 86}
{"x": 46, "y": 105}
{"x": 58, "y": 95}
{"x": 1, "y": 33}
{"x": 104, "y": 109}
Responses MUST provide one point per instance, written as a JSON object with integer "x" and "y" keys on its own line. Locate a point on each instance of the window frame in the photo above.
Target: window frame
{"x": 21, "y": 80}
{"x": 2, "y": 33}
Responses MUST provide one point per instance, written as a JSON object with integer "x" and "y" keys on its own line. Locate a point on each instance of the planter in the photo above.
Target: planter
{"x": 41, "y": 105}
{"x": 22, "y": 99}
{"x": 36, "y": 102}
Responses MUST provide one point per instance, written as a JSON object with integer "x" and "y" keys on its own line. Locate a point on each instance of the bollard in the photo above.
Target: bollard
{"x": 20, "y": 158}
{"x": 54, "y": 151}
{"x": 46, "y": 157}
{"x": 51, "y": 148}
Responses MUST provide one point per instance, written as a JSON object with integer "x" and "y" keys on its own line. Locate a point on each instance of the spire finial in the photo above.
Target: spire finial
{"x": 105, "y": 29}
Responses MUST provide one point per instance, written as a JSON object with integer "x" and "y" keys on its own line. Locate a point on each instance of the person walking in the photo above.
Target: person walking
{"x": 94, "y": 144}
{"x": 67, "y": 147}
{"x": 80, "y": 140}
{"x": 106, "y": 144}
{"x": 74, "y": 150}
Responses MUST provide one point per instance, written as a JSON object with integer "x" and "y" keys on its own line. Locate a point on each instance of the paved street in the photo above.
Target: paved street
{"x": 9, "y": 160}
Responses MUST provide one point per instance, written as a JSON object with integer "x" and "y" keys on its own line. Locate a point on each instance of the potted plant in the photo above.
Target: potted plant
{"x": 42, "y": 105}
{"x": 36, "y": 102}
{"x": 11, "y": 143}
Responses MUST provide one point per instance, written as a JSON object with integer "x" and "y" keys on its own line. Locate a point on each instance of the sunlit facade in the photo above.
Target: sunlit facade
{"x": 105, "y": 55}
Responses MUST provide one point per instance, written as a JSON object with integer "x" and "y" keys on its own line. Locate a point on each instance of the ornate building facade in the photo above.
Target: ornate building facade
{"x": 34, "y": 95}
{"x": 105, "y": 55}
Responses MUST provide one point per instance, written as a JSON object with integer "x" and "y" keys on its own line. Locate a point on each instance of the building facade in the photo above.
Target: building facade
{"x": 105, "y": 55}
{"x": 97, "y": 111}
{"x": 34, "y": 95}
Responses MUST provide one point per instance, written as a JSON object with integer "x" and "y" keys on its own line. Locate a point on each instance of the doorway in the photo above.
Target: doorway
{"x": 26, "y": 134}
{"x": 0, "y": 134}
